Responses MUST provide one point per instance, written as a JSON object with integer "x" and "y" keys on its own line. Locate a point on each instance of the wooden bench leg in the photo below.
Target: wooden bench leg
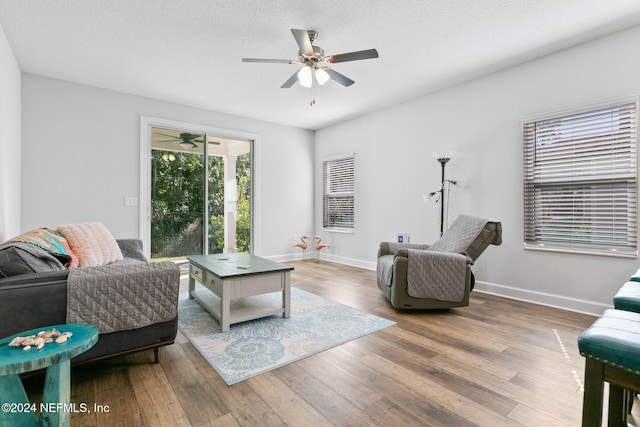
{"x": 617, "y": 411}
{"x": 630, "y": 396}
{"x": 593, "y": 393}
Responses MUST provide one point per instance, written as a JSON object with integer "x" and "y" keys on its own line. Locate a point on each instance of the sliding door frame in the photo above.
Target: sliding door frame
{"x": 148, "y": 122}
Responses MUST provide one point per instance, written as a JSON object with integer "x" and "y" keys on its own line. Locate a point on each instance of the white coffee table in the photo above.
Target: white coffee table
{"x": 235, "y": 284}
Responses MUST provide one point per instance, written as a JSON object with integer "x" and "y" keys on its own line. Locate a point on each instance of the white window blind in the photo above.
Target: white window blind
{"x": 580, "y": 182}
{"x": 338, "y": 193}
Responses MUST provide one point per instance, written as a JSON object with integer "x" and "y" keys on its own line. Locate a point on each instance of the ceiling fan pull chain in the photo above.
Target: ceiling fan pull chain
{"x": 312, "y": 101}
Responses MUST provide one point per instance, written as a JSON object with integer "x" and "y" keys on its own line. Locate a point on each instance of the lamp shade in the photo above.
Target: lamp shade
{"x": 305, "y": 77}
{"x": 321, "y": 76}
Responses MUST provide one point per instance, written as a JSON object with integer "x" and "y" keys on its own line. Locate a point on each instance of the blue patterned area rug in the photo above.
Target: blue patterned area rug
{"x": 252, "y": 348}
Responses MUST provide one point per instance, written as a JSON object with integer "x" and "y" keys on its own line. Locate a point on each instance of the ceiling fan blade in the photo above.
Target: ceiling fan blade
{"x": 275, "y": 61}
{"x": 291, "y": 81}
{"x": 302, "y": 38}
{"x": 200, "y": 141}
{"x": 340, "y": 78}
{"x": 164, "y": 134}
{"x": 352, "y": 56}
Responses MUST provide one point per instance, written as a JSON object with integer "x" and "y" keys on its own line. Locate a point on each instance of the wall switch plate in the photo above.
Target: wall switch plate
{"x": 131, "y": 201}
{"x": 403, "y": 238}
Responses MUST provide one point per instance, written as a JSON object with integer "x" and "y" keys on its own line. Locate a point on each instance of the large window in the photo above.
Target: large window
{"x": 580, "y": 182}
{"x": 338, "y": 193}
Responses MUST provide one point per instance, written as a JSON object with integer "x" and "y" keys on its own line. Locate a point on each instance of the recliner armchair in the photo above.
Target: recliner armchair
{"x": 438, "y": 276}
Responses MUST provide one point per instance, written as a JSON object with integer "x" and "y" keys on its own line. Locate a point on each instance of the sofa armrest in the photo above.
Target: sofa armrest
{"x": 33, "y": 301}
{"x": 132, "y": 248}
{"x": 392, "y": 248}
{"x": 383, "y": 249}
{"x": 35, "y": 279}
{"x": 423, "y": 256}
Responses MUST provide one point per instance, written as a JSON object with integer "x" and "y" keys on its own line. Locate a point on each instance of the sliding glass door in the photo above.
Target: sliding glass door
{"x": 200, "y": 194}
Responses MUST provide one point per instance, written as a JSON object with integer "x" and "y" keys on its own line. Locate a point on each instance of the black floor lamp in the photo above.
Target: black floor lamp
{"x": 443, "y": 161}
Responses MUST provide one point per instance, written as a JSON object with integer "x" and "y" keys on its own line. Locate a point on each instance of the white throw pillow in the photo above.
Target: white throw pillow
{"x": 92, "y": 243}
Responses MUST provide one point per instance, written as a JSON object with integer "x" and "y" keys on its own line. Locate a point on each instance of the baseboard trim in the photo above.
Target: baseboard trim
{"x": 367, "y": 265}
{"x": 534, "y": 297}
{"x": 284, "y": 258}
{"x": 542, "y": 298}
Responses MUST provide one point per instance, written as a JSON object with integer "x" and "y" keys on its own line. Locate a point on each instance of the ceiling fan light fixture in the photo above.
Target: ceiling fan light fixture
{"x": 321, "y": 76}
{"x": 305, "y": 76}
{"x": 187, "y": 145}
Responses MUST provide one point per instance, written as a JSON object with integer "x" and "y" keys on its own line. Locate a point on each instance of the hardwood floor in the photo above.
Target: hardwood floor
{"x": 497, "y": 362}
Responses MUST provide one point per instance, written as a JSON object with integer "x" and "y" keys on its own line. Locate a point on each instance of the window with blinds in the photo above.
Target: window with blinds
{"x": 580, "y": 182}
{"x": 338, "y": 179}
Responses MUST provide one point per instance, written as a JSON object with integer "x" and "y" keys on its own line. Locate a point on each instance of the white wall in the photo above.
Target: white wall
{"x": 480, "y": 122}
{"x": 9, "y": 141}
{"x": 81, "y": 159}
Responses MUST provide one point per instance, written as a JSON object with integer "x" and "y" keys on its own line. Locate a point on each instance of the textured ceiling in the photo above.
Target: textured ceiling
{"x": 189, "y": 51}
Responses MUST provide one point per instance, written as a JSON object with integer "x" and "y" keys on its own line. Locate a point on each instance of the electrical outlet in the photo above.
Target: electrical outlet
{"x": 131, "y": 201}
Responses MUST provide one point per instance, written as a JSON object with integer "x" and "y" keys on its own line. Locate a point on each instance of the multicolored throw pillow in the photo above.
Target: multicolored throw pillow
{"x": 52, "y": 242}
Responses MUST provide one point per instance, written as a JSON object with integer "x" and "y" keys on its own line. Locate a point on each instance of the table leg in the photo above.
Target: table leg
{"x": 286, "y": 295}
{"x": 192, "y": 286}
{"x": 12, "y": 392}
{"x": 57, "y": 391}
{"x": 225, "y": 305}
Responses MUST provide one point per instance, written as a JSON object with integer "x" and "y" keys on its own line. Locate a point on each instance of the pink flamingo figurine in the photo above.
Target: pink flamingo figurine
{"x": 303, "y": 246}
{"x": 319, "y": 246}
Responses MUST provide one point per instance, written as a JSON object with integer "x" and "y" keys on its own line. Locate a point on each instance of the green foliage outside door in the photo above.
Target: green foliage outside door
{"x": 178, "y": 201}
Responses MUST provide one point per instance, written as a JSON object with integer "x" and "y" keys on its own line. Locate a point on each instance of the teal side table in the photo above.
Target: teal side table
{"x": 56, "y": 358}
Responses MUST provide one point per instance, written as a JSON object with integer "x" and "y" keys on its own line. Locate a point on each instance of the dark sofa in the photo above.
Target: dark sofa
{"x": 39, "y": 299}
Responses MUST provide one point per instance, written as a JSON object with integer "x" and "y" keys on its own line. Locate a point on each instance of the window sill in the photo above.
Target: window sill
{"x": 578, "y": 251}
{"x": 339, "y": 230}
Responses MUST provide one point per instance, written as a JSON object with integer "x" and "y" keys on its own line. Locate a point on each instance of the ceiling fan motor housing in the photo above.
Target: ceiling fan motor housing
{"x": 318, "y": 56}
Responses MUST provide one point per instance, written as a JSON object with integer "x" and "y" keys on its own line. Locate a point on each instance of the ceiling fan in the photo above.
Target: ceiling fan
{"x": 315, "y": 62}
{"x": 187, "y": 140}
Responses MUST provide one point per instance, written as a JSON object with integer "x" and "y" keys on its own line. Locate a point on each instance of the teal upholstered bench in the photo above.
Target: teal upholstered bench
{"x": 628, "y": 297}
{"x": 611, "y": 347}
